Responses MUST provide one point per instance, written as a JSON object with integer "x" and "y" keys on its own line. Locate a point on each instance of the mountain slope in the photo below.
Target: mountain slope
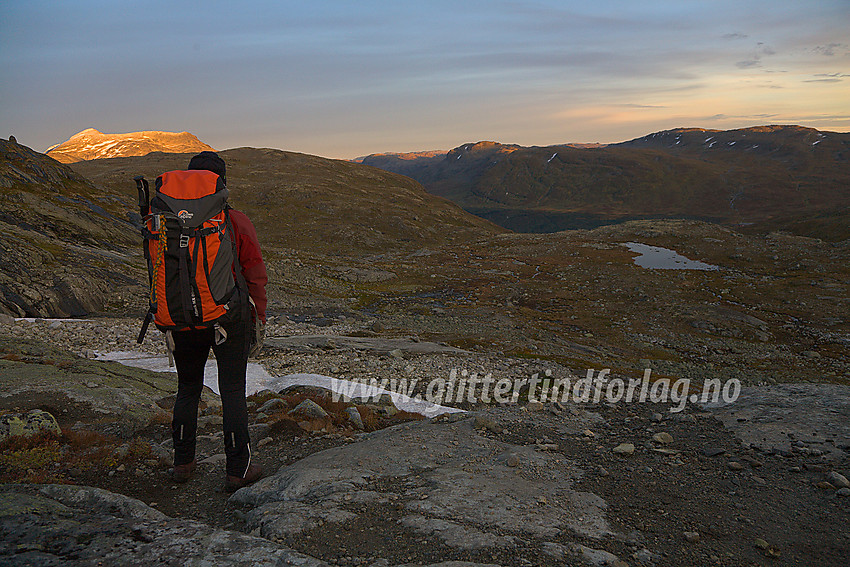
{"x": 748, "y": 175}
{"x": 64, "y": 242}
{"x": 91, "y": 144}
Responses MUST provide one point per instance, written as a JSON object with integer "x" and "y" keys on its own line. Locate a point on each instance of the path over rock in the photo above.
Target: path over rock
{"x": 442, "y": 478}
{"x": 375, "y": 344}
{"x": 790, "y": 417}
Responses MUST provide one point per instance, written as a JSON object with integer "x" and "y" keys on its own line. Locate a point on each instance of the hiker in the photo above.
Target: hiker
{"x": 231, "y": 343}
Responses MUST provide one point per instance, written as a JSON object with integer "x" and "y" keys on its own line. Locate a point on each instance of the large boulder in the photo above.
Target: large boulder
{"x": 454, "y": 483}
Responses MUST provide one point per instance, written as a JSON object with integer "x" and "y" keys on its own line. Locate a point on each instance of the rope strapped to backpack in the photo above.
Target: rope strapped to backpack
{"x": 160, "y": 256}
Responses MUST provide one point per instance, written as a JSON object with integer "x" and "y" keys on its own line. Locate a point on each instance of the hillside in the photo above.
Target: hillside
{"x": 91, "y": 144}
{"x": 64, "y": 242}
{"x": 738, "y": 176}
{"x": 313, "y": 204}
{"x": 552, "y": 481}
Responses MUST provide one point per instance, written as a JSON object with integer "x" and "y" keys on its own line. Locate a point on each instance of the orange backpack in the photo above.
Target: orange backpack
{"x": 190, "y": 250}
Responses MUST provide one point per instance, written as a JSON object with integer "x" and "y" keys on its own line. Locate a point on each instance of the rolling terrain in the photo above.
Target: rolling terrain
{"x": 306, "y": 209}
{"x": 313, "y": 204}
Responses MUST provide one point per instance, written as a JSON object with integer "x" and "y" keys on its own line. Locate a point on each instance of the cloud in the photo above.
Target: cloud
{"x": 828, "y": 78}
{"x": 632, "y": 105}
{"x": 757, "y": 117}
{"x": 761, "y": 50}
{"x": 735, "y": 36}
{"x": 829, "y": 49}
{"x": 764, "y": 49}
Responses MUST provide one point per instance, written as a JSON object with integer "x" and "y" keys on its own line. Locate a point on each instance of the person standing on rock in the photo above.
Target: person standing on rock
{"x": 192, "y": 347}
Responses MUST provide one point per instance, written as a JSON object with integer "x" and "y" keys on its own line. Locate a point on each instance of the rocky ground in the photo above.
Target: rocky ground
{"x": 510, "y": 484}
{"x": 761, "y": 481}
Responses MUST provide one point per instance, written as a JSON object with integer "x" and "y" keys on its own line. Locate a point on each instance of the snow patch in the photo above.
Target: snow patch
{"x": 356, "y": 390}
{"x": 257, "y": 378}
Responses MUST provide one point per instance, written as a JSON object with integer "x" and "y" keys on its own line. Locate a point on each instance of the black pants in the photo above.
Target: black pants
{"x": 191, "y": 349}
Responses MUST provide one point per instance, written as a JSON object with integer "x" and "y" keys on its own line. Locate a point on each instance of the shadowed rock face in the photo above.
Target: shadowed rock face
{"x": 64, "y": 244}
{"x": 91, "y": 144}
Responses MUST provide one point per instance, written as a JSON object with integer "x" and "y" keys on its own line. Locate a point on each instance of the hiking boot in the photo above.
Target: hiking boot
{"x": 182, "y": 473}
{"x": 234, "y": 483}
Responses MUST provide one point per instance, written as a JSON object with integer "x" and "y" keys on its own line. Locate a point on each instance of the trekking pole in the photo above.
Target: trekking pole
{"x": 144, "y": 210}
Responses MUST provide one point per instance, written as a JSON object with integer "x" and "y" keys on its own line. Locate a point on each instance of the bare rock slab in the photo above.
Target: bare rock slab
{"x": 449, "y": 479}
{"x": 788, "y": 417}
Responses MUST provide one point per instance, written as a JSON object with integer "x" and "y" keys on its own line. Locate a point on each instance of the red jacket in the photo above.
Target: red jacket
{"x": 251, "y": 259}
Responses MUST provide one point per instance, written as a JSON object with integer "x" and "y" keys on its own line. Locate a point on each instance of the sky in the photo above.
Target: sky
{"x": 344, "y": 78}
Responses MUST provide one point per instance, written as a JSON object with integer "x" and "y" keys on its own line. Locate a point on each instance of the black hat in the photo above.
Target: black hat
{"x": 211, "y": 162}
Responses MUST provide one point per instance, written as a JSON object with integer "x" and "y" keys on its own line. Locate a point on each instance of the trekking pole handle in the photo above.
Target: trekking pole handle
{"x": 144, "y": 195}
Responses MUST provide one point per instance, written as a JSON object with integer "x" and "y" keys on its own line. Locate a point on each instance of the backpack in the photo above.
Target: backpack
{"x": 191, "y": 252}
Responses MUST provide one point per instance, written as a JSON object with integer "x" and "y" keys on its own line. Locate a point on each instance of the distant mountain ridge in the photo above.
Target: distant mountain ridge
{"x": 749, "y": 175}
{"x": 92, "y": 144}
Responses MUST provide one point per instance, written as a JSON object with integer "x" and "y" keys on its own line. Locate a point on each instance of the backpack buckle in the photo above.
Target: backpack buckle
{"x": 184, "y": 241}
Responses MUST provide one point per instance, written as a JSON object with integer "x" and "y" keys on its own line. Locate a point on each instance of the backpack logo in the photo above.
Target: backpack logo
{"x": 185, "y": 215}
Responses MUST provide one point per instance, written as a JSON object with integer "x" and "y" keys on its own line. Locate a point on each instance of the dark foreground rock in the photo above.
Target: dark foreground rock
{"x": 112, "y": 398}
{"x": 71, "y": 525}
